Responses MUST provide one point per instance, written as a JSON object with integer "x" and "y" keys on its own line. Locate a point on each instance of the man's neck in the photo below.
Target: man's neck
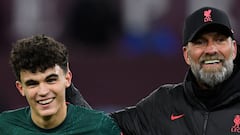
{"x": 49, "y": 122}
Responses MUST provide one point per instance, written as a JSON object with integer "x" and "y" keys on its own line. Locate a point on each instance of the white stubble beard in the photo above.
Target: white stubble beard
{"x": 211, "y": 79}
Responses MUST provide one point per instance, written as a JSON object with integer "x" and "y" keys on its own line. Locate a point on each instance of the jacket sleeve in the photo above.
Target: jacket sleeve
{"x": 132, "y": 121}
{"x": 74, "y": 96}
{"x": 126, "y": 120}
{"x": 137, "y": 120}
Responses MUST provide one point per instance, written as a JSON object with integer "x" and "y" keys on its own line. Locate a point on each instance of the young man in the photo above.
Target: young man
{"x": 207, "y": 102}
{"x": 41, "y": 68}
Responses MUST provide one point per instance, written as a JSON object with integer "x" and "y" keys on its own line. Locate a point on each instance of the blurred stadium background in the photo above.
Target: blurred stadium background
{"x": 120, "y": 51}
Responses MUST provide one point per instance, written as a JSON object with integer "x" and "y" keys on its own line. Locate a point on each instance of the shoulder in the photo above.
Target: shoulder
{"x": 87, "y": 114}
{"x": 14, "y": 119}
{"x": 169, "y": 88}
{"x": 163, "y": 94}
{"x": 83, "y": 111}
{"x": 17, "y": 113}
{"x": 108, "y": 126}
{"x": 102, "y": 122}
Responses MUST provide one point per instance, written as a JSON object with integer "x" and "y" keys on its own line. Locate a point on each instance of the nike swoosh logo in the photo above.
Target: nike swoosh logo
{"x": 174, "y": 117}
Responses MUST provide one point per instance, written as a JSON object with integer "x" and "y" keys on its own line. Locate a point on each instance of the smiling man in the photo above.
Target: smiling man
{"x": 41, "y": 68}
{"x": 210, "y": 57}
{"x": 207, "y": 102}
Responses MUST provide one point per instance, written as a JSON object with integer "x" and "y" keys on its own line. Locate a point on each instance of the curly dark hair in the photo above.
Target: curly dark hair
{"x": 38, "y": 53}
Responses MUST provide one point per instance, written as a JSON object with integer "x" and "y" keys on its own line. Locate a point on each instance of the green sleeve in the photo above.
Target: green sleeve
{"x": 108, "y": 127}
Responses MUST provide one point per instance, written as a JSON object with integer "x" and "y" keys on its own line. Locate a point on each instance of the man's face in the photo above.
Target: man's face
{"x": 45, "y": 91}
{"x": 211, "y": 57}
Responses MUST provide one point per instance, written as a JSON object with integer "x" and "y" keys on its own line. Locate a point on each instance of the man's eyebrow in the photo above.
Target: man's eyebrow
{"x": 52, "y": 75}
{"x": 30, "y": 82}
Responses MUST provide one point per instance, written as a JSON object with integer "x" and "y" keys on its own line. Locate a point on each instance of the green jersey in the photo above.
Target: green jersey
{"x": 79, "y": 121}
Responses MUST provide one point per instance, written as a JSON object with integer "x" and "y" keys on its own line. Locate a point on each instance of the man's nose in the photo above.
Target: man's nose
{"x": 43, "y": 90}
{"x": 211, "y": 48}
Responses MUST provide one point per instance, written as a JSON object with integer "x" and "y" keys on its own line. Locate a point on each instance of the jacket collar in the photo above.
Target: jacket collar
{"x": 222, "y": 94}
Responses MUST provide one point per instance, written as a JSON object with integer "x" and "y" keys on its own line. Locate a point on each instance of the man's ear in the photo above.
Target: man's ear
{"x": 235, "y": 49}
{"x": 185, "y": 54}
{"x": 68, "y": 77}
{"x": 20, "y": 87}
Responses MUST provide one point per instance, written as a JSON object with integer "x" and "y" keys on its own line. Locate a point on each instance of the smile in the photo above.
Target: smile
{"x": 211, "y": 61}
{"x": 47, "y": 101}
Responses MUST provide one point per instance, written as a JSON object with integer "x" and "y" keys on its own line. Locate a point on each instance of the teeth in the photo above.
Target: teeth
{"x": 211, "y": 61}
{"x": 43, "y": 102}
